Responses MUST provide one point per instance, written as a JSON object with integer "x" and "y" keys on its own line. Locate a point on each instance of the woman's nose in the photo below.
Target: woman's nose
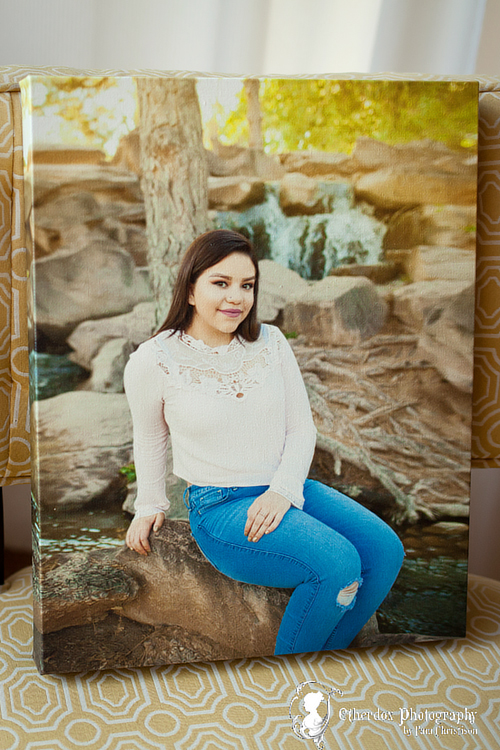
{"x": 233, "y": 294}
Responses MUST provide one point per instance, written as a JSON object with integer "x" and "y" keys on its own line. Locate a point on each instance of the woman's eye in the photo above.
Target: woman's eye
{"x": 220, "y": 283}
{"x": 248, "y": 286}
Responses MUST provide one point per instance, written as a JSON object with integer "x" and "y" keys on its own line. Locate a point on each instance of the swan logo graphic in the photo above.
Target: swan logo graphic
{"x": 310, "y": 711}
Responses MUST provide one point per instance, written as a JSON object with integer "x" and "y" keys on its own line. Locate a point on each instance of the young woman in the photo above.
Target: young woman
{"x": 230, "y": 394}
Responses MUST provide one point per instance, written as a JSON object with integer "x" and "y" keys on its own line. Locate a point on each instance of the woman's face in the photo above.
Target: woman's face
{"x": 222, "y": 297}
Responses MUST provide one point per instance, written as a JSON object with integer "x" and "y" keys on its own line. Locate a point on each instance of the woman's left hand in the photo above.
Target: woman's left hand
{"x": 265, "y": 514}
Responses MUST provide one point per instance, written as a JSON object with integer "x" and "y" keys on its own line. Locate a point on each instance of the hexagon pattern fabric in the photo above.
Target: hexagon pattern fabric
{"x": 244, "y": 704}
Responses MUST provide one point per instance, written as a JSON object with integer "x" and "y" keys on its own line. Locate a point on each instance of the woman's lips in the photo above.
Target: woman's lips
{"x": 231, "y": 313}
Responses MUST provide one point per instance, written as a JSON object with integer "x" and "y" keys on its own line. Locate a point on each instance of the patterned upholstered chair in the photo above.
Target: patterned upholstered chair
{"x": 245, "y": 704}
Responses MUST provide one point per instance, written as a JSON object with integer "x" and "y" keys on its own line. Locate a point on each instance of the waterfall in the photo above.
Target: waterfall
{"x": 310, "y": 244}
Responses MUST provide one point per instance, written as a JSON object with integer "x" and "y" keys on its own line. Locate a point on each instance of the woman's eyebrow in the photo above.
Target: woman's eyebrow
{"x": 223, "y": 276}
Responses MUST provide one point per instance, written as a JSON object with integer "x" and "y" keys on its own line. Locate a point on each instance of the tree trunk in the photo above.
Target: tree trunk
{"x": 175, "y": 177}
{"x": 254, "y": 114}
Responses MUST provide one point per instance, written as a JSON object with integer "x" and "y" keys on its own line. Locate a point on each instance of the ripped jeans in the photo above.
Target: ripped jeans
{"x": 340, "y": 559}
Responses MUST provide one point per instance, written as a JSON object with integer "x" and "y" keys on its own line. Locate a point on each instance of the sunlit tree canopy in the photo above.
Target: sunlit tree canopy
{"x": 85, "y": 111}
{"x": 331, "y": 115}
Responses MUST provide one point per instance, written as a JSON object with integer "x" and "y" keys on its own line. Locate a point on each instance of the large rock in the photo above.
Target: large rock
{"x": 227, "y": 161}
{"x": 379, "y": 273}
{"x": 277, "y": 286}
{"x": 426, "y": 263}
{"x": 318, "y": 163}
{"x": 447, "y": 338}
{"x": 180, "y": 586}
{"x": 228, "y": 193}
{"x": 337, "y": 311}
{"x": 106, "y": 180}
{"x": 412, "y": 303}
{"x": 63, "y": 154}
{"x": 443, "y": 314}
{"x": 425, "y": 155}
{"x": 229, "y": 165}
{"x": 108, "y": 367}
{"x": 89, "y": 337}
{"x": 299, "y": 194}
{"x": 82, "y": 590}
{"x": 67, "y": 210}
{"x": 391, "y": 188}
{"x": 97, "y": 281}
{"x": 174, "y": 585}
{"x": 452, "y": 226}
{"x": 83, "y": 439}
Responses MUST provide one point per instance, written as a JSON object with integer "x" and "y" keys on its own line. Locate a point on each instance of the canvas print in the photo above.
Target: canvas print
{"x": 251, "y": 325}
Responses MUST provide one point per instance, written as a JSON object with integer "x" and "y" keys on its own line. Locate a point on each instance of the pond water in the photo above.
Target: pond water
{"x": 52, "y": 374}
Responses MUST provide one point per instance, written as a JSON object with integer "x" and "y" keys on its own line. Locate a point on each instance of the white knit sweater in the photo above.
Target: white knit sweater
{"x": 238, "y": 415}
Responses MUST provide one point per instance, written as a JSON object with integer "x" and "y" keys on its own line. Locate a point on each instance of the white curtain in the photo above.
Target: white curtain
{"x": 247, "y": 36}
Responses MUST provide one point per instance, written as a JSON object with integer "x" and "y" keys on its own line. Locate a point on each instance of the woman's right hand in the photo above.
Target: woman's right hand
{"x": 139, "y": 530}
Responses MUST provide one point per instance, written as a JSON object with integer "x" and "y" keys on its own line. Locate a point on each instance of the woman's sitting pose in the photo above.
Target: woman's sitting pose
{"x": 230, "y": 394}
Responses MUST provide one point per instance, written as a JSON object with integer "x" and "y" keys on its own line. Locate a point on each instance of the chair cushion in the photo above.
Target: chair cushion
{"x": 245, "y": 703}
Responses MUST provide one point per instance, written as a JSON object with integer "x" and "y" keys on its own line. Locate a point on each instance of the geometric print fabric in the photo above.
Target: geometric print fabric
{"x": 244, "y": 704}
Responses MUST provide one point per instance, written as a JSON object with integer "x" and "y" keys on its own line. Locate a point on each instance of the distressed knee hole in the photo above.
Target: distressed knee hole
{"x": 346, "y": 596}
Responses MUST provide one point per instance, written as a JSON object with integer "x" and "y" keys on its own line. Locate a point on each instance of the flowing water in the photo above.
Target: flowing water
{"x": 311, "y": 245}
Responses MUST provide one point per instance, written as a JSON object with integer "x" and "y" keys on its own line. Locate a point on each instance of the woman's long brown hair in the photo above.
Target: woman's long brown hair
{"x": 204, "y": 252}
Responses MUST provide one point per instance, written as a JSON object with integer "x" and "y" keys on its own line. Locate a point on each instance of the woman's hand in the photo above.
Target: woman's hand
{"x": 139, "y": 530}
{"x": 265, "y": 514}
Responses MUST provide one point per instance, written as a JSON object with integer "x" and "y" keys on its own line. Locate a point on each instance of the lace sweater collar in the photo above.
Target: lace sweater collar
{"x": 200, "y": 346}
{"x": 231, "y": 370}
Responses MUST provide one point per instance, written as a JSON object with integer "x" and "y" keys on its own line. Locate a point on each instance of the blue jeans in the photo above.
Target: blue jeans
{"x": 319, "y": 551}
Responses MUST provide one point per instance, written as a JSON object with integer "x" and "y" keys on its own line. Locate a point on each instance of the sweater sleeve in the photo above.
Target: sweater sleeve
{"x": 142, "y": 381}
{"x": 300, "y": 431}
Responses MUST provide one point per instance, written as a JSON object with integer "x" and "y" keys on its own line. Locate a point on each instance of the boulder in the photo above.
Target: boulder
{"x": 68, "y": 210}
{"x": 239, "y": 163}
{"x": 98, "y": 281}
{"x": 447, "y": 338}
{"x": 82, "y": 590}
{"x": 90, "y": 336}
{"x": 54, "y": 179}
{"x": 299, "y": 194}
{"x": 395, "y": 187}
{"x": 318, "y": 163}
{"x": 174, "y": 585}
{"x": 442, "y": 312}
{"x": 83, "y": 439}
{"x": 277, "y": 286}
{"x": 63, "y": 154}
{"x": 379, "y": 273}
{"x": 337, "y": 311}
{"x": 428, "y": 263}
{"x": 370, "y": 154}
{"x": 180, "y": 586}
{"x": 228, "y": 193}
{"x": 425, "y": 155}
{"x": 108, "y": 366}
{"x": 265, "y": 166}
{"x": 412, "y": 303}
{"x": 452, "y": 226}
{"x": 109, "y": 608}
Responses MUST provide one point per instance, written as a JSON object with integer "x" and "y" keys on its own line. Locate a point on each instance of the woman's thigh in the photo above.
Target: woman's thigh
{"x": 301, "y": 548}
{"x": 374, "y": 540}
